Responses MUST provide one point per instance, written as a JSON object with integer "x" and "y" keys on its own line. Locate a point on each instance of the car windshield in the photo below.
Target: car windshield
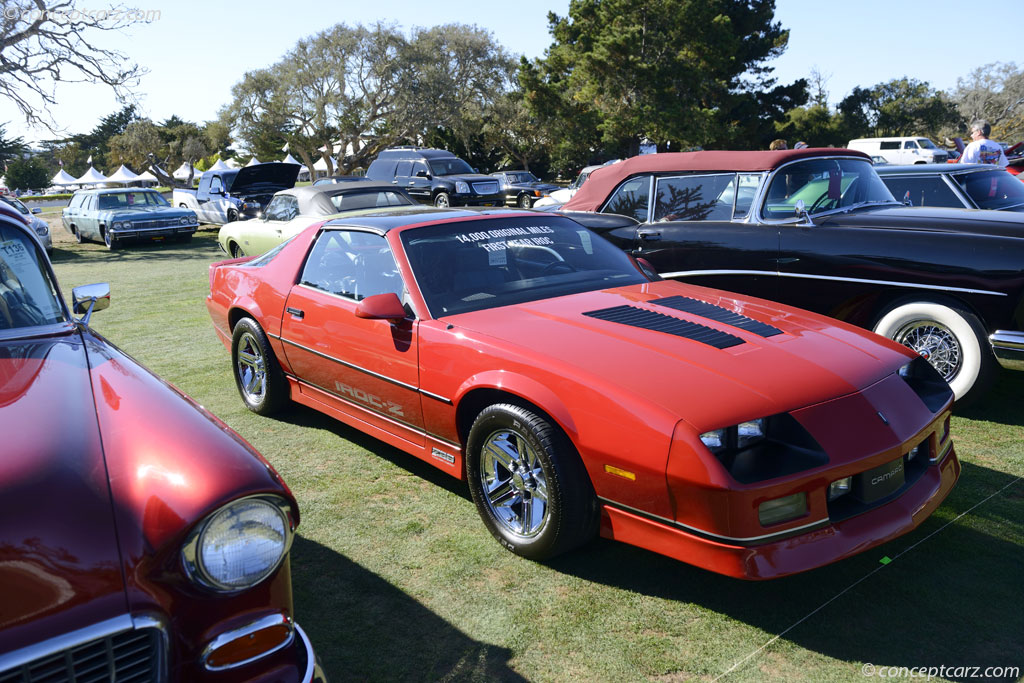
{"x": 995, "y": 189}
{"x": 522, "y": 177}
{"x": 128, "y": 199}
{"x": 926, "y": 143}
{"x": 371, "y": 199}
{"x": 449, "y": 166}
{"x": 16, "y": 203}
{"x": 580, "y": 179}
{"x": 27, "y": 295}
{"x": 473, "y": 265}
{"x": 823, "y": 185}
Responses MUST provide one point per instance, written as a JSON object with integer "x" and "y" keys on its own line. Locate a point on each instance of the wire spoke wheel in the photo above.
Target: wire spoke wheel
{"x": 936, "y": 343}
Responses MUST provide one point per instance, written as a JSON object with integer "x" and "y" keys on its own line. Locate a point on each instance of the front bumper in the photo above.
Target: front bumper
{"x": 824, "y": 544}
{"x": 133, "y": 235}
{"x": 478, "y": 199}
{"x": 1008, "y": 347}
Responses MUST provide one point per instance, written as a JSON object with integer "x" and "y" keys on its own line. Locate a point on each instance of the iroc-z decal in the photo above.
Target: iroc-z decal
{"x": 377, "y": 402}
{"x": 438, "y": 454}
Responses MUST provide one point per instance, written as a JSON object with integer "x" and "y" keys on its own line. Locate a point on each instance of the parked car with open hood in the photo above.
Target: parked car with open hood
{"x": 818, "y": 229}
{"x": 141, "y": 539}
{"x": 236, "y": 194}
{"x": 966, "y": 186}
{"x": 578, "y": 396}
{"x": 117, "y": 216}
{"x": 292, "y": 211}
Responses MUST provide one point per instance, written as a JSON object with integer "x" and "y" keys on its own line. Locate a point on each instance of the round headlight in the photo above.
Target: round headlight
{"x": 42, "y": 229}
{"x": 239, "y": 545}
{"x": 184, "y": 220}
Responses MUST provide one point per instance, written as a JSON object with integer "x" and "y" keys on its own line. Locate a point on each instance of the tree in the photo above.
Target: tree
{"x": 677, "y": 73}
{"x": 27, "y": 174}
{"x": 76, "y": 149}
{"x": 10, "y": 148}
{"x": 135, "y": 145}
{"x": 994, "y": 92}
{"x": 46, "y": 42}
{"x": 902, "y": 106}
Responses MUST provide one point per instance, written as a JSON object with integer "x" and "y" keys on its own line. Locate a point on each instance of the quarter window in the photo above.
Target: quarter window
{"x": 631, "y": 199}
{"x": 695, "y": 198}
{"x": 352, "y": 264}
{"x": 924, "y": 191}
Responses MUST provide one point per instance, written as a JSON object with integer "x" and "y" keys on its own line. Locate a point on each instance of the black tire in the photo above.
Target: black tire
{"x": 525, "y": 201}
{"x": 108, "y": 240}
{"x": 182, "y": 206}
{"x": 232, "y": 215}
{"x": 236, "y": 251}
{"x": 536, "y": 463}
{"x": 77, "y": 233}
{"x": 258, "y": 376}
{"x": 442, "y": 200}
{"x": 951, "y": 338}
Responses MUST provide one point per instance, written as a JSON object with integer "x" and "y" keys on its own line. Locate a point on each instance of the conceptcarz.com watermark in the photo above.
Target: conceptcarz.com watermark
{"x": 930, "y": 672}
{"x": 114, "y": 14}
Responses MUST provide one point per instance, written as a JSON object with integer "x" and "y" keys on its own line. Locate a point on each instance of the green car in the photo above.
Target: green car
{"x": 292, "y": 211}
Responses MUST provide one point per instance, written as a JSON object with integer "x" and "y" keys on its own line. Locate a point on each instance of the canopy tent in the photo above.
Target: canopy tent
{"x": 231, "y": 163}
{"x": 123, "y": 175}
{"x": 291, "y": 160}
{"x": 63, "y": 178}
{"x": 148, "y": 177}
{"x": 253, "y": 162}
{"x": 219, "y": 166}
{"x": 91, "y": 177}
{"x": 181, "y": 173}
{"x": 321, "y": 165}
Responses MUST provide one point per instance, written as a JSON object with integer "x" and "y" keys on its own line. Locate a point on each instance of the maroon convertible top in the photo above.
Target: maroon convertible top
{"x": 603, "y": 180}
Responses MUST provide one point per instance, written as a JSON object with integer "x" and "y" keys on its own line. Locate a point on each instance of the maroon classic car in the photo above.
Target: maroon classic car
{"x": 140, "y": 539}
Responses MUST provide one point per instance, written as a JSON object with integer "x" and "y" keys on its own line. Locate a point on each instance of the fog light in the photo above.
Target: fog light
{"x": 782, "y": 509}
{"x": 839, "y": 487}
{"x": 249, "y": 643}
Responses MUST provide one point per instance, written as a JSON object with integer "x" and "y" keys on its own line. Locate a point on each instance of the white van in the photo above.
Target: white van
{"x": 909, "y": 150}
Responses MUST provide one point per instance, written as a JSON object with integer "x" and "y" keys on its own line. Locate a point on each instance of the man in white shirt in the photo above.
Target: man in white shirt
{"x": 983, "y": 150}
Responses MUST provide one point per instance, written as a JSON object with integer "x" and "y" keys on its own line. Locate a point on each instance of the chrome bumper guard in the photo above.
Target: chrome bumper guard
{"x": 1008, "y": 346}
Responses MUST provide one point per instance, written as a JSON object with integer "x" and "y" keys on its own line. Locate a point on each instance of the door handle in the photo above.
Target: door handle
{"x": 649, "y": 235}
{"x": 297, "y": 312}
{"x": 788, "y": 260}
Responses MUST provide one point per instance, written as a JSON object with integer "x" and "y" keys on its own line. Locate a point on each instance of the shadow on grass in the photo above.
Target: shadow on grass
{"x": 956, "y": 599}
{"x": 1002, "y": 403}
{"x": 203, "y": 245}
{"x": 349, "y": 611}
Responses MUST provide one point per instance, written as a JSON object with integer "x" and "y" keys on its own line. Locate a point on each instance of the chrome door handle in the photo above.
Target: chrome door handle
{"x": 297, "y": 312}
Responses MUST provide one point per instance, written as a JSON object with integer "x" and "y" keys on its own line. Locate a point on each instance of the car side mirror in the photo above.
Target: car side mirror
{"x": 385, "y": 306}
{"x": 906, "y": 199}
{"x": 216, "y": 191}
{"x": 36, "y": 210}
{"x": 88, "y": 299}
{"x": 801, "y": 211}
{"x": 422, "y": 174}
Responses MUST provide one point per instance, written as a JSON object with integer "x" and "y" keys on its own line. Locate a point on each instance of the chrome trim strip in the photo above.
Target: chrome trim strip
{"x": 166, "y": 228}
{"x": 269, "y": 621}
{"x": 351, "y": 366}
{"x": 701, "y": 532}
{"x": 368, "y": 408}
{"x": 88, "y": 634}
{"x": 436, "y": 397}
{"x": 312, "y": 673}
{"x": 940, "y": 288}
{"x": 1007, "y": 339}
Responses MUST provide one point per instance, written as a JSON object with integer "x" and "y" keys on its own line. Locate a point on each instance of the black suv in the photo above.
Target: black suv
{"x": 435, "y": 176}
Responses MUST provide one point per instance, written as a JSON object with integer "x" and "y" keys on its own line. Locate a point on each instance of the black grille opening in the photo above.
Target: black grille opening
{"x": 860, "y": 499}
{"x": 659, "y": 322}
{"x": 718, "y": 314}
{"x": 127, "y": 657}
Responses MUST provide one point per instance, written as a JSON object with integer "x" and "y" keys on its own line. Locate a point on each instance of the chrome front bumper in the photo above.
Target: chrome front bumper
{"x": 1008, "y": 346}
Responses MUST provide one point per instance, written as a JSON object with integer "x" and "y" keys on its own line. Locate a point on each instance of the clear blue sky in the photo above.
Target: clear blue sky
{"x": 195, "y": 51}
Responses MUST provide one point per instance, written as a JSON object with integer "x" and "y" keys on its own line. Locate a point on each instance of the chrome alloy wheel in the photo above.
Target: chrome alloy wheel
{"x": 251, "y": 369}
{"x": 514, "y": 483}
{"x": 936, "y": 343}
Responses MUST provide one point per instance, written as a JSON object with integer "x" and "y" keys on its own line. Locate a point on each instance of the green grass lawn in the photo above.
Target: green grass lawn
{"x": 395, "y": 576}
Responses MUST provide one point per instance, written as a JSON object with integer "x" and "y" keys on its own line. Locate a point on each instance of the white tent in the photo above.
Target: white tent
{"x": 321, "y": 166}
{"x": 253, "y": 162}
{"x": 148, "y": 177}
{"x": 231, "y": 163}
{"x": 123, "y": 175}
{"x": 181, "y": 173}
{"x": 292, "y": 160}
{"x": 62, "y": 178}
{"x": 91, "y": 177}
{"x": 219, "y": 166}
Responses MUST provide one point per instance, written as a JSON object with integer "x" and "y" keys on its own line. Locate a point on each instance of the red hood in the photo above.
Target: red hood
{"x": 813, "y": 359}
{"x": 59, "y": 559}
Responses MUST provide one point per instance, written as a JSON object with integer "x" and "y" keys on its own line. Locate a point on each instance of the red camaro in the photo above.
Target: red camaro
{"x": 578, "y": 395}
{"x": 140, "y": 538}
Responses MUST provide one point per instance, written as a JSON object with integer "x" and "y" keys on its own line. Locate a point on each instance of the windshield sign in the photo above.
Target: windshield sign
{"x": 27, "y": 296}
{"x": 473, "y": 265}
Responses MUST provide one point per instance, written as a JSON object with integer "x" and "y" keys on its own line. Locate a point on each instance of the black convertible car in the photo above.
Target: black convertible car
{"x": 818, "y": 229}
{"x": 967, "y": 186}
{"x": 522, "y": 188}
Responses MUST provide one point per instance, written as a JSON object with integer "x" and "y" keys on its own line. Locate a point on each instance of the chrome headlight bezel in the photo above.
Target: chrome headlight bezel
{"x": 461, "y": 187}
{"x": 192, "y": 552}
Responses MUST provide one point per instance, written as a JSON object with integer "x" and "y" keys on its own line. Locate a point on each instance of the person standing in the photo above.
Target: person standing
{"x": 982, "y": 150}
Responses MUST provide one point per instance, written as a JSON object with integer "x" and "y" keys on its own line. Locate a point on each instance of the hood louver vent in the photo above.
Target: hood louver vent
{"x": 659, "y": 322}
{"x": 718, "y": 314}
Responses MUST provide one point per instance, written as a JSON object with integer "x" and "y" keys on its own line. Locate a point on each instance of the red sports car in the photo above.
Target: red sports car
{"x": 578, "y": 395}
{"x": 140, "y": 538}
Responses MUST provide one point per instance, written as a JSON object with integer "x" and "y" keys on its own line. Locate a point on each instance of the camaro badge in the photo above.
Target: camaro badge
{"x": 883, "y": 417}
{"x": 441, "y": 455}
